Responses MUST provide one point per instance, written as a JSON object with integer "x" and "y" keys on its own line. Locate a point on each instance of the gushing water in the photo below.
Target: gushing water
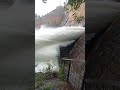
{"x": 47, "y": 44}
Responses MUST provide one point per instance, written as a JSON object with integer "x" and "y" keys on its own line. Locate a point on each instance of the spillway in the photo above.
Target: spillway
{"x": 48, "y": 42}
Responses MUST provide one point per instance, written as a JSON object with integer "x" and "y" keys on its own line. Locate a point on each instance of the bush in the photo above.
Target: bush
{"x": 61, "y": 75}
{"x": 48, "y": 72}
{"x": 75, "y": 3}
{"x": 49, "y": 86}
{"x": 39, "y": 78}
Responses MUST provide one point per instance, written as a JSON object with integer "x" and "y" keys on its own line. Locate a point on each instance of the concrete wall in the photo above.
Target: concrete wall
{"x": 78, "y": 65}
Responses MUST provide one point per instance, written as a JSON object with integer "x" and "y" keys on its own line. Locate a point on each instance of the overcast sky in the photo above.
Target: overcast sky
{"x": 43, "y": 8}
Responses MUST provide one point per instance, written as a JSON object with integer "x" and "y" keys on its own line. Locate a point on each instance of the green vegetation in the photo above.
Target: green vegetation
{"x": 48, "y": 72}
{"x": 75, "y": 3}
{"x": 78, "y": 18}
{"x": 49, "y": 86}
{"x": 49, "y": 68}
{"x": 61, "y": 75}
{"x": 39, "y": 78}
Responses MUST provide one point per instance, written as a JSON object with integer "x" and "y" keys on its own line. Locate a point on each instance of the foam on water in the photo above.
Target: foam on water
{"x": 47, "y": 44}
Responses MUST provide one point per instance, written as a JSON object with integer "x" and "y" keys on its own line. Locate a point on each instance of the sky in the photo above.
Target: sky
{"x": 44, "y": 8}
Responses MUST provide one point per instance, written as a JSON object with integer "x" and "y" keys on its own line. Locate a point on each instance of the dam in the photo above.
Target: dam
{"x": 48, "y": 42}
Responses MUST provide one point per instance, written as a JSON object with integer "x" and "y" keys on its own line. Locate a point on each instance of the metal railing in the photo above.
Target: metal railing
{"x": 72, "y": 76}
{"x": 69, "y": 65}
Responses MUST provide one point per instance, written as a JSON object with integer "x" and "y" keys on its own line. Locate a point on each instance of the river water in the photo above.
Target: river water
{"x": 47, "y": 43}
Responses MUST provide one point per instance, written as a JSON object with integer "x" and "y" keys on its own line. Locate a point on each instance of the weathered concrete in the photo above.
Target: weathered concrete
{"x": 78, "y": 65}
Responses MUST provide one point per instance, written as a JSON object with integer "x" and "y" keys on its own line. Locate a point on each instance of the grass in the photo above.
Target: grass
{"x": 61, "y": 75}
{"x": 41, "y": 78}
{"x": 49, "y": 86}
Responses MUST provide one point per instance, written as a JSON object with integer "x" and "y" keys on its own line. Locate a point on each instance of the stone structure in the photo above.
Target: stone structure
{"x": 78, "y": 65}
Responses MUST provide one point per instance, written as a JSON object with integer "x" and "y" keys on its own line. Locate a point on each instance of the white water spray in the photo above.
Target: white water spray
{"x": 48, "y": 42}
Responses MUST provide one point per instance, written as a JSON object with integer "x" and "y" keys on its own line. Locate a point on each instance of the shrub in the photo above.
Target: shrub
{"x": 49, "y": 86}
{"x": 75, "y": 3}
{"x": 61, "y": 74}
{"x": 48, "y": 72}
{"x": 39, "y": 78}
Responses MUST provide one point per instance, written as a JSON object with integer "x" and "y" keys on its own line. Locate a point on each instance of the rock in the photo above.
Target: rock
{"x": 76, "y": 17}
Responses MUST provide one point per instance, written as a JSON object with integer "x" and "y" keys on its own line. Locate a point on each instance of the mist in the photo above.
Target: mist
{"x": 48, "y": 42}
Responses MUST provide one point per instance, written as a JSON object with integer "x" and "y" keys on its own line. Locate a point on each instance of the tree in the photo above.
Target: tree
{"x": 75, "y": 3}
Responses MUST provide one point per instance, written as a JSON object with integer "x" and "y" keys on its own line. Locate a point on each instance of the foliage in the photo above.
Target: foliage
{"x": 77, "y": 18}
{"x": 48, "y": 72}
{"x": 49, "y": 86}
{"x": 61, "y": 75}
{"x": 39, "y": 78}
{"x": 49, "y": 68}
{"x": 75, "y": 3}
